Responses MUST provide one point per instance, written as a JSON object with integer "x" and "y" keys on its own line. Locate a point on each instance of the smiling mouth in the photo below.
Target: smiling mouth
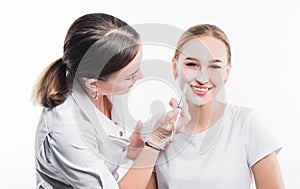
{"x": 201, "y": 90}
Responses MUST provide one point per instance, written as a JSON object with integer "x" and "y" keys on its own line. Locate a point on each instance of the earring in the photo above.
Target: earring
{"x": 94, "y": 95}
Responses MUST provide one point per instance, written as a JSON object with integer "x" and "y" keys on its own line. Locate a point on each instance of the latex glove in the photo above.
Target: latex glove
{"x": 136, "y": 142}
{"x": 158, "y": 129}
{"x": 183, "y": 117}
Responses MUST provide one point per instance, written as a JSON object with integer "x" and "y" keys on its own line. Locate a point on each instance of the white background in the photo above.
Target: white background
{"x": 265, "y": 74}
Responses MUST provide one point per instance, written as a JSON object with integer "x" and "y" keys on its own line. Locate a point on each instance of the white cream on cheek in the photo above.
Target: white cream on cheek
{"x": 193, "y": 49}
{"x": 186, "y": 77}
{"x": 217, "y": 92}
{"x": 202, "y": 51}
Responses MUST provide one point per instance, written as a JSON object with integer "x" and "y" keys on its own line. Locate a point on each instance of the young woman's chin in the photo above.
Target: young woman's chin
{"x": 197, "y": 100}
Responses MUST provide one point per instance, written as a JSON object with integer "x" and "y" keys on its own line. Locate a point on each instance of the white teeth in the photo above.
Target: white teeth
{"x": 200, "y": 89}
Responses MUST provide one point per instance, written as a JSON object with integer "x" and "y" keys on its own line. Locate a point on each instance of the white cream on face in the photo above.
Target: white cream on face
{"x": 187, "y": 76}
{"x": 203, "y": 62}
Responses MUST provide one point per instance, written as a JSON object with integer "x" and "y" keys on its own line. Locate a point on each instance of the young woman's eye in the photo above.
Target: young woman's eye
{"x": 191, "y": 64}
{"x": 215, "y": 66}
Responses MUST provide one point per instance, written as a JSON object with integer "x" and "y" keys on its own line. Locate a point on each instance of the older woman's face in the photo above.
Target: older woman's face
{"x": 202, "y": 64}
{"x": 121, "y": 81}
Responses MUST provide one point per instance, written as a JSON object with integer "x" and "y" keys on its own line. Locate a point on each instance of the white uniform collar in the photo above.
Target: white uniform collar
{"x": 87, "y": 107}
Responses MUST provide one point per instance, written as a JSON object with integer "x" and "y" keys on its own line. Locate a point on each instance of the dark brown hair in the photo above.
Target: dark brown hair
{"x": 96, "y": 46}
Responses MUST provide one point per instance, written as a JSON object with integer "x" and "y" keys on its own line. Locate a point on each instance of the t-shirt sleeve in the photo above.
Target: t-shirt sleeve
{"x": 259, "y": 140}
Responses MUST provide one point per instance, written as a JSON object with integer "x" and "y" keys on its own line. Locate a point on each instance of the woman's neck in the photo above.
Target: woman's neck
{"x": 204, "y": 116}
{"x": 104, "y": 105}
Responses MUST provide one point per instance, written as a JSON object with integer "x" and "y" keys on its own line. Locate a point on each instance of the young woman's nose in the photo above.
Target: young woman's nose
{"x": 202, "y": 77}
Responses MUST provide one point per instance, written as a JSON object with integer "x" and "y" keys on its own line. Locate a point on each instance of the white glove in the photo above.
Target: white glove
{"x": 136, "y": 142}
{"x": 158, "y": 129}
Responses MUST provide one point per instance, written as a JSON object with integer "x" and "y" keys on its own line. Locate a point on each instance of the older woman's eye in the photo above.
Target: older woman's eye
{"x": 130, "y": 78}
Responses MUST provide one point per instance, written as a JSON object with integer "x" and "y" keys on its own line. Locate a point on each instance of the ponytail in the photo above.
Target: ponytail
{"x": 52, "y": 88}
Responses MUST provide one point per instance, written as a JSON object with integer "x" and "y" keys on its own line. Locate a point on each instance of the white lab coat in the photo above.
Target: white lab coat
{"x": 74, "y": 151}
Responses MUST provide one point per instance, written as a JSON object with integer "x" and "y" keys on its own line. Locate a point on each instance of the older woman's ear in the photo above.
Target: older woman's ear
{"x": 91, "y": 84}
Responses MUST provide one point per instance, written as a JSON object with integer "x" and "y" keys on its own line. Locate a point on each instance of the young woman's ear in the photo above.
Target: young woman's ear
{"x": 227, "y": 72}
{"x": 174, "y": 64}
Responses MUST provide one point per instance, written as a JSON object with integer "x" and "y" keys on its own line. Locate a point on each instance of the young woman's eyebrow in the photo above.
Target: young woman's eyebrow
{"x": 191, "y": 58}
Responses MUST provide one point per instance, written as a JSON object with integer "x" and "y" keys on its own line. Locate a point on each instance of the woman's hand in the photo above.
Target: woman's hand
{"x": 184, "y": 116}
{"x": 164, "y": 125}
{"x": 136, "y": 142}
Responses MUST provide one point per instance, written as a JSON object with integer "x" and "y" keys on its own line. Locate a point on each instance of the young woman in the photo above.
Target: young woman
{"x": 80, "y": 140}
{"x": 223, "y": 145}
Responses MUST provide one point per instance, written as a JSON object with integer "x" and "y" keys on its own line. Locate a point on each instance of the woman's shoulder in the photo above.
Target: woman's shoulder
{"x": 61, "y": 113}
{"x": 240, "y": 112}
{"x": 236, "y": 108}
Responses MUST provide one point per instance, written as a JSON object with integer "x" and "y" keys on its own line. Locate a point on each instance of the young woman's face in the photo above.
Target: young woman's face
{"x": 121, "y": 81}
{"x": 202, "y": 64}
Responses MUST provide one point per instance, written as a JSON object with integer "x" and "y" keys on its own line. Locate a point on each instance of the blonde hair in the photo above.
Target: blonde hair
{"x": 200, "y": 31}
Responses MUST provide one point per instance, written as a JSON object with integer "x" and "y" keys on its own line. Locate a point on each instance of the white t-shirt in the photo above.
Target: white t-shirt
{"x": 220, "y": 157}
